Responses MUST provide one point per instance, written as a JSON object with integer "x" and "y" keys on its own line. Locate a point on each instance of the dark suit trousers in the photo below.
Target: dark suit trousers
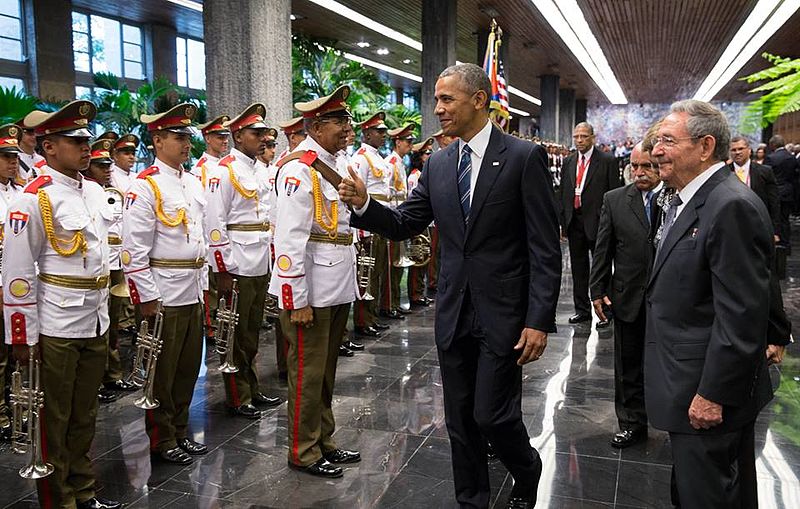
{"x": 482, "y": 401}
{"x": 629, "y": 372}
{"x": 784, "y": 225}
{"x": 714, "y": 471}
{"x": 580, "y": 247}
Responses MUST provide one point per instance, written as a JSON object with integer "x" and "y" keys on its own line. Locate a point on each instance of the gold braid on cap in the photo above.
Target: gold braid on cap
{"x": 76, "y": 242}
{"x": 330, "y": 222}
{"x": 172, "y": 222}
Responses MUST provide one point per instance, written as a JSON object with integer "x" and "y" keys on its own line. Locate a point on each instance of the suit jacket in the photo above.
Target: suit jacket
{"x": 624, "y": 242}
{"x": 786, "y": 167}
{"x": 507, "y": 257}
{"x": 603, "y": 176}
{"x": 763, "y": 183}
{"x": 707, "y": 309}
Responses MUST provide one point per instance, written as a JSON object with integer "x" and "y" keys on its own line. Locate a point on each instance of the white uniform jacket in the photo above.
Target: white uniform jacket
{"x": 308, "y": 272}
{"x": 203, "y": 167}
{"x": 397, "y": 185}
{"x": 33, "y": 307}
{"x": 244, "y": 253}
{"x": 30, "y": 166}
{"x": 145, "y": 237}
{"x": 121, "y": 179}
{"x": 8, "y": 193}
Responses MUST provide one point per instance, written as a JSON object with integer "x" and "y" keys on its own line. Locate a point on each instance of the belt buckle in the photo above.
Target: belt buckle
{"x": 97, "y": 280}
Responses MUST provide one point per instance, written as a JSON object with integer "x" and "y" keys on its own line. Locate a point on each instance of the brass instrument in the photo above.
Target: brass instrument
{"x": 227, "y": 318}
{"x": 365, "y": 263}
{"x": 402, "y": 257}
{"x": 29, "y": 400}
{"x": 148, "y": 348}
{"x": 271, "y": 309}
{"x": 116, "y": 200}
{"x": 419, "y": 250}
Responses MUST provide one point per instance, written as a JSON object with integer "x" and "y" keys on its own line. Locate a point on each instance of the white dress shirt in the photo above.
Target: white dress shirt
{"x": 478, "y": 144}
{"x": 688, "y": 192}
{"x": 588, "y": 159}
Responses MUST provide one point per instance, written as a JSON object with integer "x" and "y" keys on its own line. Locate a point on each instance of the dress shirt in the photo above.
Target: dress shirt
{"x": 746, "y": 168}
{"x": 694, "y": 185}
{"x": 478, "y": 144}
{"x": 588, "y": 157}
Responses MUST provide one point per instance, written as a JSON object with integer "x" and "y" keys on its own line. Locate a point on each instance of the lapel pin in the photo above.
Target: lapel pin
{"x": 694, "y": 233}
{"x": 495, "y": 163}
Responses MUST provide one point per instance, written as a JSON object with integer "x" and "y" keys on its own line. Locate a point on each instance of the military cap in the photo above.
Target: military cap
{"x": 375, "y": 121}
{"x": 404, "y": 132}
{"x": 10, "y": 134}
{"x": 272, "y": 133}
{"x": 101, "y": 151}
{"x": 215, "y": 125}
{"x": 333, "y": 105}
{"x": 423, "y": 145}
{"x": 72, "y": 120}
{"x": 108, "y": 135}
{"x": 292, "y": 126}
{"x": 252, "y": 117}
{"x": 127, "y": 141}
{"x": 176, "y": 120}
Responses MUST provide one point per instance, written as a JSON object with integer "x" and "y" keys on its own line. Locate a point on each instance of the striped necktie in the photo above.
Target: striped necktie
{"x": 464, "y": 179}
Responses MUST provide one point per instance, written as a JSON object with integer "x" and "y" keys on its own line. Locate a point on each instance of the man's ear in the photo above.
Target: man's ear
{"x": 481, "y": 100}
{"x": 709, "y": 143}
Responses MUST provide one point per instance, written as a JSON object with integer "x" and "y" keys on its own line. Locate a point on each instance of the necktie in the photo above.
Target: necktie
{"x": 740, "y": 174}
{"x": 578, "y": 180}
{"x": 648, "y": 206}
{"x": 464, "y": 179}
{"x": 672, "y": 211}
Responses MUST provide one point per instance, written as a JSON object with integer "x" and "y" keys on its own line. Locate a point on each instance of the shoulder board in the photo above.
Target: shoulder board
{"x": 227, "y": 160}
{"x": 153, "y": 170}
{"x": 308, "y": 158}
{"x": 393, "y": 160}
{"x": 362, "y": 151}
{"x": 201, "y": 162}
{"x": 40, "y": 163}
{"x": 37, "y": 183}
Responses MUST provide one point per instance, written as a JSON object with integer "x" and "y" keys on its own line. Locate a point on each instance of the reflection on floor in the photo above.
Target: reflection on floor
{"x": 388, "y": 405}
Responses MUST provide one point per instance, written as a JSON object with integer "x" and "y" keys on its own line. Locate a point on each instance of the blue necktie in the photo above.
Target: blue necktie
{"x": 464, "y": 178}
{"x": 648, "y": 206}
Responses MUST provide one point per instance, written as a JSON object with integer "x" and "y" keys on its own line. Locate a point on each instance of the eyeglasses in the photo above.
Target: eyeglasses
{"x": 339, "y": 121}
{"x": 669, "y": 141}
{"x": 644, "y": 166}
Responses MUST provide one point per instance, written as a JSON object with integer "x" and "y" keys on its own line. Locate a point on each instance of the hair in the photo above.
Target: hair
{"x": 650, "y": 136}
{"x": 585, "y": 125}
{"x": 706, "y": 120}
{"x": 738, "y": 138}
{"x": 473, "y": 77}
{"x": 777, "y": 141}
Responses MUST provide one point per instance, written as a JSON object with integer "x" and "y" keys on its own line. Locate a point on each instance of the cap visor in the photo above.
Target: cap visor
{"x": 180, "y": 130}
{"x": 77, "y": 133}
{"x": 10, "y": 150}
{"x": 257, "y": 125}
{"x": 102, "y": 160}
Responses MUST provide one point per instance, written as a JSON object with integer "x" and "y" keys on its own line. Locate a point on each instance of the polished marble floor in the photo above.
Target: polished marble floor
{"x": 388, "y": 405}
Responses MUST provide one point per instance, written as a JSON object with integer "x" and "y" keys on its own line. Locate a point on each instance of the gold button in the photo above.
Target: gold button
{"x": 17, "y": 329}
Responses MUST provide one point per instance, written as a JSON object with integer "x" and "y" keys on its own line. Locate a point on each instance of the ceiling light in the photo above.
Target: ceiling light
{"x": 519, "y": 112}
{"x": 382, "y": 67}
{"x": 382, "y": 51}
{"x": 407, "y": 61}
{"x": 566, "y": 19}
{"x": 188, "y": 4}
{"x": 362, "y": 44}
{"x": 522, "y": 95}
{"x": 742, "y": 47}
{"x": 362, "y": 20}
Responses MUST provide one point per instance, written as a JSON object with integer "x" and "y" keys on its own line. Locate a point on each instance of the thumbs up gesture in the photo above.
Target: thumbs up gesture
{"x": 352, "y": 190}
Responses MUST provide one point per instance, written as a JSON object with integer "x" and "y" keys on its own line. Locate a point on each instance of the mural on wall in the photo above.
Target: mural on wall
{"x": 615, "y": 123}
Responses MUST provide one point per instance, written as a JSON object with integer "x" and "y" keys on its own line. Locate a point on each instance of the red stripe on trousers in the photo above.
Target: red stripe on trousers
{"x": 298, "y": 396}
{"x": 148, "y": 414}
{"x": 207, "y": 310}
{"x": 234, "y": 392}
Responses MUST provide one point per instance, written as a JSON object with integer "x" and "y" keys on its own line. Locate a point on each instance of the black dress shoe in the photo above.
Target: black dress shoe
{"x": 379, "y": 326}
{"x": 369, "y": 332}
{"x": 98, "y": 503}
{"x": 523, "y": 494}
{"x": 356, "y": 347}
{"x": 248, "y": 411}
{"x": 322, "y": 468}
{"x": 106, "y": 396}
{"x": 345, "y": 352}
{"x": 5, "y": 433}
{"x": 191, "y": 447}
{"x": 120, "y": 385}
{"x": 260, "y": 398}
{"x": 602, "y": 324}
{"x": 342, "y": 456}
{"x": 420, "y": 303}
{"x": 283, "y": 376}
{"x": 175, "y": 455}
{"x": 404, "y": 311}
{"x": 628, "y": 437}
{"x": 580, "y": 317}
{"x": 393, "y": 314}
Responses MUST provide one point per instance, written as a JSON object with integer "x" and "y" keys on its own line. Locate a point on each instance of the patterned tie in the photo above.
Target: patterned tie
{"x": 648, "y": 206}
{"x": 464, "y": 178}
{"x": 672, "y": 211}
{"x": 581, "y": 171}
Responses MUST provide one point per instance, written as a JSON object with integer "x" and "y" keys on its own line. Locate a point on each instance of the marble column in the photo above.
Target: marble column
{"x": 439, "y": 52}
{"x": 566, "y": 115}
{"x": 248, "y": 47}
{"x": 549, "y": 94}
{"x": 49, "y": 48}
{"x": 580, "y": 110}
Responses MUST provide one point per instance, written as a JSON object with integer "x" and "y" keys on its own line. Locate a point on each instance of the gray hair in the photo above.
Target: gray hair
{"x": 473, "y": 77}
{"x": 738, "y": 138}
{"x": 706, "y": 120}
{"x": 585, "y": 125}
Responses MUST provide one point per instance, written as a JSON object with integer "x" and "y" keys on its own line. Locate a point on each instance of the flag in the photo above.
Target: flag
{"x": 493, "y": 65}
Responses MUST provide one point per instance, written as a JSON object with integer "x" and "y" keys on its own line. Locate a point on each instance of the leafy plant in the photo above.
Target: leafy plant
{"x": 15, "y": 104}
{"x": 781, "y": 92}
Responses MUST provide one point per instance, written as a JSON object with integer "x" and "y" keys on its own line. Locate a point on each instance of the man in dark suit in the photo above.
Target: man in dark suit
{"x": 707, "y": 314}
{"x": 624, "y": 243}
{"x": 490, "y": 195}
{"x": 786, "y": 167}
{"x": 586, "y": 176}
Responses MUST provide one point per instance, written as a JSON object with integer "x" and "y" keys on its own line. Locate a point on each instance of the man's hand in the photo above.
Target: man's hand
{"x": 532, "y": 342}
{"x": 21, "y": 353}
{"x": 303, "y": 316}
{"x": 224, "y": 283}
{"x": 148, "y": 310}
{"x": 703, "y": 413}
{"x": 352, "y": 190}
{"x": 598, "y": 307}
{"x": 775, "y": 354}
{"x": 776, "y": 238}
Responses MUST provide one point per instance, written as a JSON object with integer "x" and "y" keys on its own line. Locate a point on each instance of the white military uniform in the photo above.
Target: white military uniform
{"x": 309, "y": 272}
{"x": 121, "y": 179}
{"x": 146, "y": 238}
{"x": 413, "y": 180}
{"x": 35, "y": 306}
{"x": 238, "y": 226}
{"x": 397, "y": 182}
{"x": 8, "y": 193}
{"x": 34, "y": 162}
{"x": 376, "y": 174}
{"x": 203, "y": 167}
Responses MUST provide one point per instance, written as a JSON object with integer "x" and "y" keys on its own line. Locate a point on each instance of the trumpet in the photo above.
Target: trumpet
{"x": 365, "y": 261}
{"x": 148, "y": 348}
{"x": 227, "y": 318}
{"x": 419, "y": 250}
{"x": 29, "y": 400}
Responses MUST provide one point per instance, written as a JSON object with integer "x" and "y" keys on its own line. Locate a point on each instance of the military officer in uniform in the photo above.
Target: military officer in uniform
{"x": 420, "y": 152}
{"x": 124, "y": 156}
{"x": 29, "y": 160}
{"x": 10, "y": 135}
{"x": 237, "y": 225}
{"x": 293, "y": 129}
{"x": 314, "y": 279}
{"x": 55, "y": 295}
{"x": 163, "y": 256}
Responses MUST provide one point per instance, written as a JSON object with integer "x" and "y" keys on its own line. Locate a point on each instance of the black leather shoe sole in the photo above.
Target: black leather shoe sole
{"x": 356, "y": 347}
{"x": 367, "y": 332}
{"x": 603, "y": 324}
{"x": 175, "y": 455}
{"x": 121, "y": 385}
{"x": 106, "y": 396}
{"x": 98, "y": 503}
{"x": 243, "y": 411}
{"x": 319, "y": 469}
{"x": 266, "y": 401}
{"x": 340, "y": 456}
{"x": 580, "y": 318}
{"x": 379, "y": 326}
{"x": 345, "y": 352}
{"x": 622, "y": 440}
{"x": 191, "y": 447}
